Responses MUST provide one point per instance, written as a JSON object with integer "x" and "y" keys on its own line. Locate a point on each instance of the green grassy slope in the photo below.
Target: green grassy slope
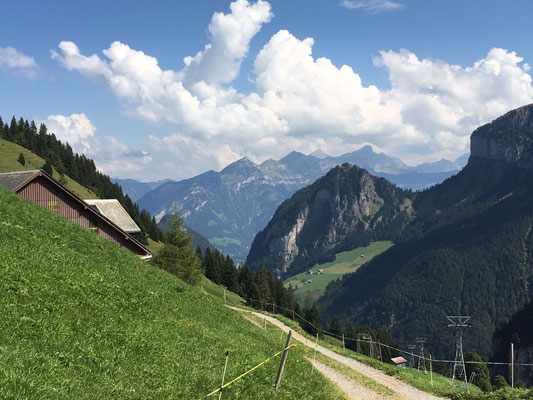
{"x": 9, "y": 153}
{"x": 345, "y": 262}
{"x": 84, "y": 319}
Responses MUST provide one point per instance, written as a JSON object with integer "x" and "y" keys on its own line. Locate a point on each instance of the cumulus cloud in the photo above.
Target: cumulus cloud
{"x": 117, "y": 159}
{"x": 230, "y": 35}
{"x": 111, "y": 156}
{"x": 11, "y": 58}
{"x": 301, "y": 102}
{"x": 372, "y": 6}
{"x": 75, "y": 129}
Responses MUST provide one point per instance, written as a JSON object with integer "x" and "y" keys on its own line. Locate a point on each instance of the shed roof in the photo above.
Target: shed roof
{"x": 112, "y": 209}
{"x": 12, "y": 180}
{"x": 398, "y": 360}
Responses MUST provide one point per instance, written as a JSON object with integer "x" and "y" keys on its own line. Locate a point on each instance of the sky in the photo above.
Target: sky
{"x": 171, "y": 89}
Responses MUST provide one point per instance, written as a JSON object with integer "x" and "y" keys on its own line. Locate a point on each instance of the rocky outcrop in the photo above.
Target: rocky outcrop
{"x": 346, "y": 208}
{"x": 508, "y": 139}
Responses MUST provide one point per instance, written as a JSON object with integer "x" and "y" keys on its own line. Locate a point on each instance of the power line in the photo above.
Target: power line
{"x": 346, "y": 338}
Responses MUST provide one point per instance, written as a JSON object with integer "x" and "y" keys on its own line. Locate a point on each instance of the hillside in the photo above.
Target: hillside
{"x": 61, "y": 158}
{"x": 9, "y": 153}
{"x": 345, "y": 262}
{"x": 467, "y": 252}
{"x": 84, "y": 319}
{"x": 345, "y": 209}
{"x": 231, "y": 206}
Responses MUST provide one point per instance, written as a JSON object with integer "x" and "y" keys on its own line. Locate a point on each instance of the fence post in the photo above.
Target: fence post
{"x": 283, "y": 359}
{"x": 431, "y": 369}
{"x": 316, "y": 345}
{"x": 343, "y": 343}
{"x": 223, "y": 376}
{"x": 512, "y": 364}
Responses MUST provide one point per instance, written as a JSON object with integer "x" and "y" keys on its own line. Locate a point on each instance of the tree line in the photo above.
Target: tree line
{"x": 61, "y": 157}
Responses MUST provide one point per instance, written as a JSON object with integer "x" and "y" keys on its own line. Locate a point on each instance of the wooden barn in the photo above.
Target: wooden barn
{"x": 39, "y": 188}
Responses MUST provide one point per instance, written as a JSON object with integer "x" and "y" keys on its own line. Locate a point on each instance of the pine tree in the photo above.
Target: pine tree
{"x": 482, "y": 376}
{"x": 177, "y": 256}
{"x": 312, "y": 323}
{"x": 211, "y": 271}
{"x": 21, "y": 159}
{"x": 47, "y": 167}
{"x": 335, "y": 326}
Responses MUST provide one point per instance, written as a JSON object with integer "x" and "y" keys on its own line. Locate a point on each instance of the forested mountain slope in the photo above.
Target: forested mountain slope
{"x": 343, "y": 210}
{"x": 467, "y": 252}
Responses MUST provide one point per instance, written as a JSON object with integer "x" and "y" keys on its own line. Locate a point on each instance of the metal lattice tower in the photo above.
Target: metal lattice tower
{"x": 368, "y": 338}
{"x": 412, "y": 348}
{"x": 459, "y": 370}
{"x": 421, "y": 359}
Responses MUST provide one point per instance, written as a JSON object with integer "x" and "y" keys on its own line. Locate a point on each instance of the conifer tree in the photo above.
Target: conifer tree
{"x": 21, "y": 159}
{"x": 480, "y": 370}
{"x": 177, "y": 256}
{"x": 47, "y": 167}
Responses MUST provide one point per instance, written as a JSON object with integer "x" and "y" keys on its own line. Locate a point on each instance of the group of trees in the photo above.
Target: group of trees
{"x": 61, "y": 157}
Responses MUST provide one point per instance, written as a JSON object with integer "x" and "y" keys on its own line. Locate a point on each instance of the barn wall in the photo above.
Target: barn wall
{"x": 47, "y": 195}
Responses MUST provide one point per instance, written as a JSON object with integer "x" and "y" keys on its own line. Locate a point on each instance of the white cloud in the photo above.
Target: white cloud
{"x": 75, "y": 129}
{"x": 117, "y": 159}
{"x": 230, "y": 35}
{"x": 111, "y": 156}
{"x": 301, "y": 102}
{"x": 372, "y": 6}
{"x": 13, "y": 59}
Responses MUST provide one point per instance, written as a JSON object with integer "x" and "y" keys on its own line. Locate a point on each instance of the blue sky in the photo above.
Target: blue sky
{"x": 422, "y": 75}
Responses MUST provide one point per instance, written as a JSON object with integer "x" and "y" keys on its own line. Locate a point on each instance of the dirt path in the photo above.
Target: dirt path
{"x": 348, "y": 387}
{"x": 397, "y": 386}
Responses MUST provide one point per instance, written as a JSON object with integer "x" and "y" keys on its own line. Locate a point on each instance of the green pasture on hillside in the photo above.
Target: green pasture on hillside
{"x": 9, "y": 154}
{"x": 344, "y": 263}
{"x": 84, "y": 319}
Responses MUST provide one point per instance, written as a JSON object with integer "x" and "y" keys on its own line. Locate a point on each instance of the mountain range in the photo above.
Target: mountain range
{"x": 463, "y": 247}
{"x": 231, "y": 206}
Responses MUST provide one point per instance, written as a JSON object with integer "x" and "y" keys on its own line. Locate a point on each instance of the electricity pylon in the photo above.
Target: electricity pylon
{"x": 368, "y": 338}
{"x": 459, "y": 370}
{"x": 421, "y": 359}
{"x": 412, "y": 348}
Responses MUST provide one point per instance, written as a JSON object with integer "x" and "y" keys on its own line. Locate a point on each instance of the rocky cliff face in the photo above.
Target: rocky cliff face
{"x": 508, "y": 139}
{"x": 346, "y": 208}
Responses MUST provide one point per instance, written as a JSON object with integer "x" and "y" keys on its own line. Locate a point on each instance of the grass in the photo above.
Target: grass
{"x": 9, "y": 153}
{"x": 344, "y": 263}
{"x": 84, "y": 319}
{"x": 154, "y": 246}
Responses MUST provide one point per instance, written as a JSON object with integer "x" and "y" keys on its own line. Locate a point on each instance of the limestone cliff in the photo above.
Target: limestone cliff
{"x": 508, "y": 139}
{"x": 346, "y": 208}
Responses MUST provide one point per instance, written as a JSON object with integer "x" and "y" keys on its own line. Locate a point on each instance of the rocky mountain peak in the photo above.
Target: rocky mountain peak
{"x": 319, "y": 154}
{"x": 508, "y": 139}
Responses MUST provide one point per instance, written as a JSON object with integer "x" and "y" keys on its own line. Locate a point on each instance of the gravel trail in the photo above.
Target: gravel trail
{"x": 397, "y": 386}
{"x": 348, "y": 387}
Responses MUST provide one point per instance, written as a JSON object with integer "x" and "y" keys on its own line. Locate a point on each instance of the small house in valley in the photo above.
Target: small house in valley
{"x": 41, "y": 189}
{"x": 399, "y": 362}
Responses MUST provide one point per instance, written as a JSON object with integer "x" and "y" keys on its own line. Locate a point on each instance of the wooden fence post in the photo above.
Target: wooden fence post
{"x": 283, "y": 359}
